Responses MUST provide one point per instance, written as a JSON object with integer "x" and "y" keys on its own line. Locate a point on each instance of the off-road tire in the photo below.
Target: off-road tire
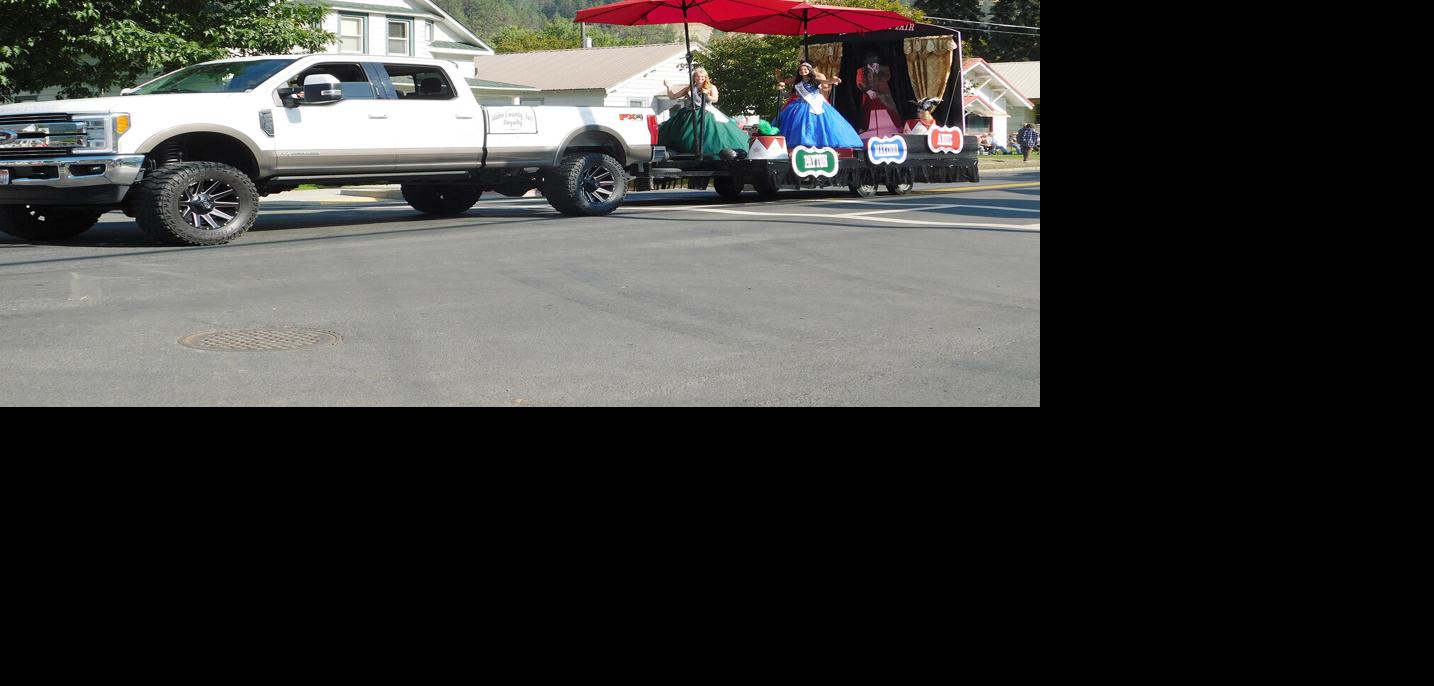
{"x": 444, "y": 199}
{"x": 729, "y": 187}
{"x": 41, "y": 223}
{"x": 163, "y": 207}
{"x": 576, "y": 186}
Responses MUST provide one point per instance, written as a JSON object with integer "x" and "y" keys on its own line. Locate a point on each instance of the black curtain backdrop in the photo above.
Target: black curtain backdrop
{"x": 890, "y": 47}
{"x": 892, "y": 55}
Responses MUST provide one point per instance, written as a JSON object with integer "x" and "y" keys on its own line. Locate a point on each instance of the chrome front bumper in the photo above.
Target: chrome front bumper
{"x": 73, "y": 172}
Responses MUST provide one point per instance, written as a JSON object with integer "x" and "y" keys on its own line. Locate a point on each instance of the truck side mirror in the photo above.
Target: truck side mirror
{"x": 321, "y": 89}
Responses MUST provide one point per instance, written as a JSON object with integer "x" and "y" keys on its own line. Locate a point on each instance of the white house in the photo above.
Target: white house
{"x": 990, "y": 99}
{"x": 1025, "y": 77}
{"x": 629, "y": 76}
{"x": 411, "y": 28}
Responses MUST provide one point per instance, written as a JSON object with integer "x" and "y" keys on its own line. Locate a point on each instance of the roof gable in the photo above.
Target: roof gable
{"x": 1025, "y": 76}
{"x": 978, "y": 65}
{"x": 982, "y": 106}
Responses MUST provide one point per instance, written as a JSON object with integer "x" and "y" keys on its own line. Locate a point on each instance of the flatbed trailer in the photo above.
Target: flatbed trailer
{"x": 855, "y": 170}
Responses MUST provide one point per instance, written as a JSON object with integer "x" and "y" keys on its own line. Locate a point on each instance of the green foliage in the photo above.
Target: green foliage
{"x": 743, "y": 67}
{"x": 492, "y": 19}
{"x": 893, "y": 5}
{"x": 1013, "y": 47}
{"x": 558, "y": 34}
{"x": 973, "y": 41}
{"x": 87, "y": 47}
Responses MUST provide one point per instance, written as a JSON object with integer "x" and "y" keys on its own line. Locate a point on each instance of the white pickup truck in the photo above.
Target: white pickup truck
{"x": 189, "y": 154}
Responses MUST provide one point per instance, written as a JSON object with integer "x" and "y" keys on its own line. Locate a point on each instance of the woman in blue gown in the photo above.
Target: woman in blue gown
{"x": 808, "y": 119}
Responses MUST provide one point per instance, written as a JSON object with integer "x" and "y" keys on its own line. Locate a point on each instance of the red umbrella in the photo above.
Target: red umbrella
{"x": 647, "y": 12}
{"x": 805, "y": 18}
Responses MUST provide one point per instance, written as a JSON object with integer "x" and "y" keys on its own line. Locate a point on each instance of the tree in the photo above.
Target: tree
{"x": 743, "y": 65}
{"x": 87, "y": 47}
{"x": 490, "y": 18}
{"x": 972, "y": 37}
{"x": 1015, "y": 45}
{"x": 558, "y": 34}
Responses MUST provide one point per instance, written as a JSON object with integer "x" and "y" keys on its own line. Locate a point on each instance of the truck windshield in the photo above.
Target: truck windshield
{"x": 219, "y": 77}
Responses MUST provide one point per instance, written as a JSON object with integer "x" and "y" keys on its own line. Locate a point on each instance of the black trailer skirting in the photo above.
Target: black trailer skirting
{"x": 921, "y": 166}
{"x": 778, "y": 174}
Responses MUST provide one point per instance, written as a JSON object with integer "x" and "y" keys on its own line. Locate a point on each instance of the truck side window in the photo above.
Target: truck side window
{"x": 419, "y": 82}
{"x": 352, "y": 80}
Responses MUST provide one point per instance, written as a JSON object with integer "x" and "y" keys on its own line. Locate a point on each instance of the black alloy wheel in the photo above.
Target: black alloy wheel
{"x": 209, "y": 204}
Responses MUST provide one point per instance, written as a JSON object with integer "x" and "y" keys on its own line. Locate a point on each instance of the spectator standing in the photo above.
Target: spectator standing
{"x": 1029, "y": 139}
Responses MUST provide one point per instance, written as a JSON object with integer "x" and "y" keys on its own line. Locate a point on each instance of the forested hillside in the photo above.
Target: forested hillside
{"x": 520, "y": 22}
{"x": 524, "y": 25}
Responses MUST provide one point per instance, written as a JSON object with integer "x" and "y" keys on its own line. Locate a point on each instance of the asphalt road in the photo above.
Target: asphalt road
{"x": 677, "y": 299}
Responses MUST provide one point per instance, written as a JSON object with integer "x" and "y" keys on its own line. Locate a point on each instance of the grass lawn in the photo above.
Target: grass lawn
{"x": 1006, "y": 161}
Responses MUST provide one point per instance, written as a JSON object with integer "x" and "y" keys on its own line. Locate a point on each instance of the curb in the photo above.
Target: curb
{"x": 380, "y": 193}
{"x": 1003, "y": 170}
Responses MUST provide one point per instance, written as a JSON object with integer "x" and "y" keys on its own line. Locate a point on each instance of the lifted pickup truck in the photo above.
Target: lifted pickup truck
{"x": 189, "y": 154}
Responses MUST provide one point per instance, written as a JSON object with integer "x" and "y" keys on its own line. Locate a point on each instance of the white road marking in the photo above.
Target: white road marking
{"x": 892, "y": 205}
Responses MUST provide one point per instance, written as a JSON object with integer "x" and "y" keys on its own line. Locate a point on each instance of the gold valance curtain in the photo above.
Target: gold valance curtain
{"x": 827, "y": 59}
{"x": 928, "y": 60}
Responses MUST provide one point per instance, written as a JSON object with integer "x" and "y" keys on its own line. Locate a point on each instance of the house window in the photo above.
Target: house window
{"x": 977, "y": 124}
{"x": 353, "y": 33}
{"x": 636, "y": 102}
{"x": 532, "y": 101}
{"x": 428, "y": 31}
{"x": 400, "y": 32}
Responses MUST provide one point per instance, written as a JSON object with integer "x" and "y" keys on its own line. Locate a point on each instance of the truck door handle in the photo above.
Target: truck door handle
{"x": 464, "y": 116}
{"x": 378, "y": 116}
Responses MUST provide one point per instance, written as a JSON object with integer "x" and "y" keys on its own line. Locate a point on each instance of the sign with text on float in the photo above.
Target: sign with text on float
{"x": 887, "y": 150}
{"x": 945, "y": 139}
{"x": 810, "y": 162}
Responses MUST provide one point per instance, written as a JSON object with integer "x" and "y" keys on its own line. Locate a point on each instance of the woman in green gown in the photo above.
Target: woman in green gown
{"x": 718, "y": 132}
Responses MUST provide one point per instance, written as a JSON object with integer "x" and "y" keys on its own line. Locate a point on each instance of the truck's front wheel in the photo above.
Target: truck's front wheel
{"x": 40, "y": 223}
{"x": 441, "y": 198}
{"x": 586, "y": 185}
{"x": 196, "y": 203}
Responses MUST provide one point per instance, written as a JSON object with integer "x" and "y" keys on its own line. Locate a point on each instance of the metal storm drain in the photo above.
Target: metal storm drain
{"x": 260, "y": 340}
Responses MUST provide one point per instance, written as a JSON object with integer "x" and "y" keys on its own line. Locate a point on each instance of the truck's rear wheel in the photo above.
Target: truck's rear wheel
{"x": 40, "y": 223}
{"x": 587, "y": 185}
{"x": 196, "y": 203}
{"x": 441, "y": 198}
